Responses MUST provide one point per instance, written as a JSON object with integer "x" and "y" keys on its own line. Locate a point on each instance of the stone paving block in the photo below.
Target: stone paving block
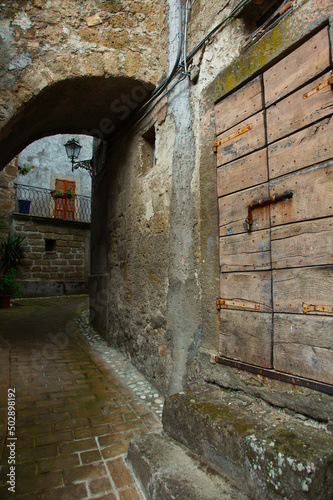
{"x": 88, "y": 457}
{"x": 109, "y": 496}
{"x": 125, "y": 426}
{"x": 26, "y": 469}
{"x": 33, "y": 429}
{"x": 55, "y": 437}
{"x": 58, "y": 463}
{"x": 86, "y": 432}
{"x": 130, "y": 493}
{"x": 100, "y": 485}
{"x": 77, "y": 445}
{"x": 48, "y": 418}
{"x": 28, "y": 454}
{"x": 65, "y": 408}
{"x": 84, "y": 472}
{"x": 115, "y": 450}
{"x": 72, "y": 424}
{"x": 120, "y": 473}
{"x": 33, "y": 412}
{"x": 111, "y": 439}
{"x": 38, "y": 483}
{"x": 71, "y": 492}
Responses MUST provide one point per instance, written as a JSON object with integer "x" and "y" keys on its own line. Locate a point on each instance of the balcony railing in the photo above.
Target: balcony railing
{"x": 38, "y": 201}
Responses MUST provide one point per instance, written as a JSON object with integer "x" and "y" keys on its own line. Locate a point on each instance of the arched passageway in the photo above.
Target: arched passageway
{"x": 90, "y": 105}
{"x": 69, "y": 67}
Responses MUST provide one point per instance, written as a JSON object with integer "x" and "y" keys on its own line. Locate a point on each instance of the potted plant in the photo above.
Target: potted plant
{"x": 56, "y": 193}
{"x": 70, "y": 194}
{"x": 8, "y": 287}
{"x": 25, "y": 169}
{"x": 11, "y": 251}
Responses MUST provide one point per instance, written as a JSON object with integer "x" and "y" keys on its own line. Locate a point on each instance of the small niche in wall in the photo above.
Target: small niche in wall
{"x": 148, "y": 155}
{"x": 50, "y": 245}
{"x": 259, "y": 16}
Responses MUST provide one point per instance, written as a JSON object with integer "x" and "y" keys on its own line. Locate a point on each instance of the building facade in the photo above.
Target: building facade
{"x": 211, "y": 220}
{"x": 56, "y": 229}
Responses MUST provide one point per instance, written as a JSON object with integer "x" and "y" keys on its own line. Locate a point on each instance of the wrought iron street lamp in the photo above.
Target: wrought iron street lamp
{"x": 73, "y": 149}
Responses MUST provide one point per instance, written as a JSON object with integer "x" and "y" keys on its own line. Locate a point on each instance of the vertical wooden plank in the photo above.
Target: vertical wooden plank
{"x": 246, "y": 336}
{"x": 240, "y": 105}
{"x": 304, "y": 63}
{"x": 304, "y": 347}
{"x": 242, "y": 173}
{"x": 302, "y": 149}
{"x": 242, "y": 139}
{"x": 296, "y": 111}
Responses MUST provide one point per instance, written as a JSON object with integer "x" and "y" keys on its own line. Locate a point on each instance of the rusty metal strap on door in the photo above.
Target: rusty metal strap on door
{"x": 232, "y": 136}
{"x": 240, "y": 304}
{"x": 282, "y": 377}
{"x": 264, "y": 202}
{"x": 326, "y": 83}
{"x": 307, "y": 308}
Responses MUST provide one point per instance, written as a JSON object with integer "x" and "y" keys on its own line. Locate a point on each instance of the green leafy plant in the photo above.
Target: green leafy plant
{"x": 8, "y": 284}
{"x": 11, "y": 251}
{"x": 63, "y": 194}
{"x": 57, "y": 194}
{"x": 25, "y": 169}
{"x": 70, "y": 193}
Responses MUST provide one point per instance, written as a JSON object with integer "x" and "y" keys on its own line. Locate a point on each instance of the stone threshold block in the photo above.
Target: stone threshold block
{"x": 167, "y": 472}
{"x": 265, "y": 451}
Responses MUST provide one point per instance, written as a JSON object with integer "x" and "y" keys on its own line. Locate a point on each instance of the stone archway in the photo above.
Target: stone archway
{"x": 80, "y": 67}
{"x": 88, "y": 105}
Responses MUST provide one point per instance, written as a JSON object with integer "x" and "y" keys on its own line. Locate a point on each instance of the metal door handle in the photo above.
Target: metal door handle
{"x": 262, "y": 203}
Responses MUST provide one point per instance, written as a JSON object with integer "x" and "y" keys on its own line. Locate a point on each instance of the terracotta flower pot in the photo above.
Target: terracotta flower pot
{"x": 4, "y": 301}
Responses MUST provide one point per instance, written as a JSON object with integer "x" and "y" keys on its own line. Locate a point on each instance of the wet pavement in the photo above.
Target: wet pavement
{"x": 69, "y": 404}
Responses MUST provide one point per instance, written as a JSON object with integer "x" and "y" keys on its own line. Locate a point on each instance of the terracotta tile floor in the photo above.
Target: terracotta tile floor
{"x": 73, "y": 417}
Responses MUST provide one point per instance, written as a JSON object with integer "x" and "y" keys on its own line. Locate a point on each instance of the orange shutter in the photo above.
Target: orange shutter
{"x": 65, "y": 207}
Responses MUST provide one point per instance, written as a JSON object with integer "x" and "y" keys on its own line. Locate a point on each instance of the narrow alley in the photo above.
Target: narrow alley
{"x": 70, "y": 415}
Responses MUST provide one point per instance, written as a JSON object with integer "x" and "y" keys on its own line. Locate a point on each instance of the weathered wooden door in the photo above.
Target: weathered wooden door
{"x": 275, "y": 137}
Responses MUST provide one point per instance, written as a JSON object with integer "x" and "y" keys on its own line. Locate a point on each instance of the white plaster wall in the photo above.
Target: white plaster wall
{"x": 48, "y": 155}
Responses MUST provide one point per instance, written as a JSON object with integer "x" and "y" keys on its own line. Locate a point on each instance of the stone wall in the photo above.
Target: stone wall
{"x": 7, "y": 195}
{"x": 155, "y": 266}
{"x": 71, "y": 62}
{"x": 56, "y": 257}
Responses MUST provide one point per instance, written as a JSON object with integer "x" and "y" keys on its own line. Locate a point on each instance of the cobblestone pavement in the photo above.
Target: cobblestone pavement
{"x": 76, "y": 403}
{"x": 133, "y": 379}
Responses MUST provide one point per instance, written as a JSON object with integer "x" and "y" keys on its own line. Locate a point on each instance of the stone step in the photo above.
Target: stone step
{"x": 167, "y": 471}
{"x": 270, "y": 453}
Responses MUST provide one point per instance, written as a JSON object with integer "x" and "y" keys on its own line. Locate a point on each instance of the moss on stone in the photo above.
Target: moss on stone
{"x": 265, "y": 51}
